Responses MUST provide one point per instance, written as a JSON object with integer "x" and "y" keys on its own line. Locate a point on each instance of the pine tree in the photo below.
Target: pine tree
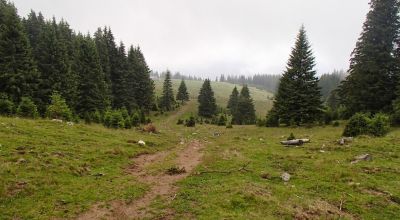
{"x": 245, "y": 113}
{"x": 233, "y": 100}
{"x": 298, "y": 99}
{"x": 119, "y": 80}
{"x": 182, "y": 94}
{"x": 102, "y": 45}
{"x": 206, "y": 99}
{"x": 141, "y": 84}
{"x": 370, "y": 87}
{"x": 18, "y": 74}
{"x": 92, "y": 87}
{"x": 167, "y": 100}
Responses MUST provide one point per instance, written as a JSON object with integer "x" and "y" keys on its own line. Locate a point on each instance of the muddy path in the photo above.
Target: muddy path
{"x": 161, "y": 184}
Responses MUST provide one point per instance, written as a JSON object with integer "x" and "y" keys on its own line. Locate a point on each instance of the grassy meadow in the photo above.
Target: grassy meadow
{"x": 222, "y": 91}
{"x": 51, "y": 170}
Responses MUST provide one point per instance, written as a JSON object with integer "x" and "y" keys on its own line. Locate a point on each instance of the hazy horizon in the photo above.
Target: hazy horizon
{"x": 210, "y": 38}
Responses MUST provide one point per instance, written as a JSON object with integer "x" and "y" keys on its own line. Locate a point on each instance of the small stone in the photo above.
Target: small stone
{"x": 285, "y": 177}
{"x": 142, "y": 143}
{"x": 21, "y": 160}
{"x": 70, "y": 123}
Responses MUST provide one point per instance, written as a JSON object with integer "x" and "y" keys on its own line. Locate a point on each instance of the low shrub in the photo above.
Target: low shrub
{"x": 261, "y": 122}
{"x": 222, "y": 120}
{"x": 364, "y": 124}
{"x": 180, "y": 122}
{"x": 117, "y": 120}
{"x": 191, "y": 122}
{"x": 336, "y": 124}
{"x": 58, "y": 108}
{"x": 229, "y": 126}
{"x": 135, "y": 120}
{"x": 357, "y": 125}
{"x": 150, "y": 128}
{"x": 27, "y": 108}
{"x": 291, "y": 137}
{"x": 379, "y": 125}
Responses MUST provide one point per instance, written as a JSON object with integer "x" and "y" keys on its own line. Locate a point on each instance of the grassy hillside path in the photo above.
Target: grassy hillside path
{"x": 144, "y": 169}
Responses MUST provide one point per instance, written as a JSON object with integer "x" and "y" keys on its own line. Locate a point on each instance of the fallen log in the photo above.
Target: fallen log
{"x": 295, "y": 142}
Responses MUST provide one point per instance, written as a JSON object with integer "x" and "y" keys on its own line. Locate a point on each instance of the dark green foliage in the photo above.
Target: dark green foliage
{"x": 180, "y": 122}
{"x": 96, "y": 117}
{"x": 117, "y": 120}
{"x": 52, "y": 52}
{"x": 58, "y": 108}
{"x": 191, "y": 122}
{"x": 362, "y": 123}
{"x": 221, "y": 120}
{"x": 182, "y": 94}
{"x": 272, "y": 119}
{"x": 139, "y": 78}
{"x": 135, "y": 120}
{"x": 18, "y": 74}
{"x": 27, "y": 109}
{"x": 371, "y": 85}
{"x": 206, "y": 99}
{"x": 167, "y": 100}
{"x": 233, "y": 101}
{"x": 245, "y": 112}
{"x": 357, "y": 125}
{"x": 298, "y": 100}
{"x": 336, "y": 124}
{"x": 92, "y": 87}
{"x": 6, "y": 106}
{"x": 379, "y": 125}
{"x": 291, "y": 137}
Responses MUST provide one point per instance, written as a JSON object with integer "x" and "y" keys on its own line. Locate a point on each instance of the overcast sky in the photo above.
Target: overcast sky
{"x": 213, "y": 37}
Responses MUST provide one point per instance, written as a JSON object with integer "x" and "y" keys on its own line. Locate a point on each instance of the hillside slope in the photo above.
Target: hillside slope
{"x": 222, "y": 91}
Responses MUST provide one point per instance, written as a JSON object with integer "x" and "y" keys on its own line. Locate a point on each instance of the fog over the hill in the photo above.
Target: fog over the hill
{"x": 213, "y": 37}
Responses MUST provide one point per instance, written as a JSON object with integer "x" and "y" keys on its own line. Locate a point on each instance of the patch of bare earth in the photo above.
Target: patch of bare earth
{"x": 161, "y": 185}
{"x": 322, "y": 210}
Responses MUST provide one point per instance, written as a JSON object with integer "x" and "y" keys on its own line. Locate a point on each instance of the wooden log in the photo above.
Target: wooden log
{"x": 296, "y": 142}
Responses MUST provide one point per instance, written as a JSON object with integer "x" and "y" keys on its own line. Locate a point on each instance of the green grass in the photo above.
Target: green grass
{"x": 323, "y": 179}
{"x": 58, "y": 174}
{"x": 222, "y": 91}
{"x": 50, "y": 169}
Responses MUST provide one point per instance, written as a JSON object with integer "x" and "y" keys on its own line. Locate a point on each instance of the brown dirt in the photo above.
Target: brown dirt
{"x": 161, "y": 185}
{"x": 321, "y": 210}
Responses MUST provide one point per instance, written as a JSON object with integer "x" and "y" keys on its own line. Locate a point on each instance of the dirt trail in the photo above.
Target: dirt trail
{"x": 161, "y": 184}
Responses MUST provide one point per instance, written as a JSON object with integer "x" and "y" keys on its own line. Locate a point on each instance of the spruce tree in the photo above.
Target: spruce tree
{"x": 121, "y": 98}
{"x": 18, "y": 74}
{"x": 102, "y": 45}
{"x": 206, "y": 99}
{"x": 167, "y": 100}
{"x": 92, "y": 87}
{"x": 233, "y": 100}
{"x": 182, "y": 94}
{"x": 298, "y": 99}
{"x": 245, "y": 113}
{"x": 141, "y": 84}
{"x": 370, "y": 87}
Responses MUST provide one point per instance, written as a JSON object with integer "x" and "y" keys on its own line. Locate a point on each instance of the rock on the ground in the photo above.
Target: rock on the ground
{"x": 57, "y": 120}
{"x": 345, "y": 140}
{"x": 70, "y": 123}
{"x": 365, "y": 157}
{"x": 142, "y": 143}
{"x": 285, "y": 177}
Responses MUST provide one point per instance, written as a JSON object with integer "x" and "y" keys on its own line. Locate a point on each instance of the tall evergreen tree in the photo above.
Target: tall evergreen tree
{"x": 233, "y": 101}
{"x": 143, "y": 85}
{"x": 167, "y": 100}
{"x": 245, "y": 113}
{"x": 121, "y": 98}
{"x": 92, "y": 87}
{"x": 102, "y": 45}
{"x": 370, "y": 87}
{"x": 182, "y": 94}
{"x": 206, "y": 99}
{"x": 298, "y": 99}
{"x": 18, "y": 74}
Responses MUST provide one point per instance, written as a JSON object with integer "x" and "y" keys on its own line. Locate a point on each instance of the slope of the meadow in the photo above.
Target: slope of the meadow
{"x": 51, "y": 170}
{"x": 222, "y": 90}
